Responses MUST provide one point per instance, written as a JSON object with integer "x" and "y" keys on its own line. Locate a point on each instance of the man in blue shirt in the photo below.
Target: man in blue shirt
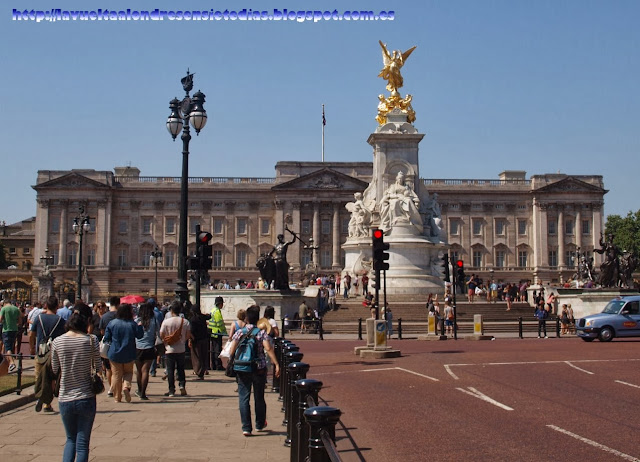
{"x": 157, "y": 313}
{"x": 65, "y": 311}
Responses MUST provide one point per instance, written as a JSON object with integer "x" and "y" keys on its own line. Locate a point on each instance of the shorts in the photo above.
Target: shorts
{"x": 148, "y": 354}
{"x": 471, "y": 292}
{"x": 9, "y": 340}
{"x": 448, "y": 322}
{"x": 160, "y": 349}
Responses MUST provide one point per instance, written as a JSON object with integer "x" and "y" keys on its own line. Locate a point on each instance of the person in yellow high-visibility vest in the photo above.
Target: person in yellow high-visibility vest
{"x": 218, "y": 330}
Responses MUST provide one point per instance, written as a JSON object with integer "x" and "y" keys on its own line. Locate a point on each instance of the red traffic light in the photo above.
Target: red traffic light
{"x": 204, "y": 237}
{"x": 460, "y": 264}
{"x": 378, "y": 234}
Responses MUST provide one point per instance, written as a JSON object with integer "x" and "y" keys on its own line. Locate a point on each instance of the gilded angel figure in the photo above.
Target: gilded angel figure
{"x": 393, "y": 62}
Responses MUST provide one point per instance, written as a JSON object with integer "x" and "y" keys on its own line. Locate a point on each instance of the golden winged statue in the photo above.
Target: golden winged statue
{"x": 393, "y": 62}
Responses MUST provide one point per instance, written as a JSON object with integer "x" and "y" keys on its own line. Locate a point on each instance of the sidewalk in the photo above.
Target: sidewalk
{"x": 203, "y": 426}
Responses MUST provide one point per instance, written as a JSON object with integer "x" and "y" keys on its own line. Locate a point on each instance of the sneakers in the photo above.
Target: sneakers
{"x": 48, "y": 409}
{"x": 546, "y": 336}
{"x": 153, "y": 374}
{"x": 38, "y": 406}
{"x": 164, "y": 376}
{"x": 170, "y": 394}
{"x": 127, "y": 395}
{"x": 137, "y": 393}
{"x": 263, "y": 428}
{"x": 12, "y": 368}
{"x": 144, "y": 398}
{"x": 247, "y": 434}
{"x": 183, "y": 392}
{"x": 110, "y": 394}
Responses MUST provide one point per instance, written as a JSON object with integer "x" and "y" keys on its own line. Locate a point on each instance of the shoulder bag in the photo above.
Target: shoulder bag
{"x": 97, "y": 386}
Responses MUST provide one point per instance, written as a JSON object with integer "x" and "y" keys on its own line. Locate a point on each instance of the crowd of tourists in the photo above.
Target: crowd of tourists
{"x": 77, "y": 348}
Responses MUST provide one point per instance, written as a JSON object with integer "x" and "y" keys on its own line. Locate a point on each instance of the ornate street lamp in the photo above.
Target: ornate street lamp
{"x": 182, "y": 113}
{"x": 156, "y": 255}
{"x": 81, "y": 226}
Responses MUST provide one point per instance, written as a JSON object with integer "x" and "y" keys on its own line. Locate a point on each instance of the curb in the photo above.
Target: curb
{"x": 26, "y": 396}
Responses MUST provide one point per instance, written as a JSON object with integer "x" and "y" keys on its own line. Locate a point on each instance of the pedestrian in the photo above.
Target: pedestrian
{"x": 389, "y": 319}
{"x": 564, "y": 320}
{"x": 75, "y": 355}
{"x": 10, "y": 318}
{"x": 256, "y": 379}
{"x": 159, "y": 358}
{"x": 199, "y": 343}
{"x": 65, "y": 311}
{"x": 449, "y": 317}
{"x": 572, "y": 320}
{"x": 551, "y": 301}
{"x": 365, "y": 284}
{"x": 145, "y": 348}
{"x": 270, "y": 313}
{"x": 121, "y": 334}
{"x": 175, "y": 331}
{"x": 218, "y": 330}
{"x": 47, "y": 325}
{"x": 542, "y": 315}
{"x": 104, "y": 322}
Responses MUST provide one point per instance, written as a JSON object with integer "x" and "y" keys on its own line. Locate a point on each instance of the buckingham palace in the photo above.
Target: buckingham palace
{"x": 509, "y": 228}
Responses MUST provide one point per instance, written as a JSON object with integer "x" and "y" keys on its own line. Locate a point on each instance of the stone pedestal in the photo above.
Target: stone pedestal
{"x": 45, "y": 286}
{"x": 284, "y": 302}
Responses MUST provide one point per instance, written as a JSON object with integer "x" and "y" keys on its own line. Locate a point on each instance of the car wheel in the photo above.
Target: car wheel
{"x": 606, "y": 334}
{"x": 587, "y": 339}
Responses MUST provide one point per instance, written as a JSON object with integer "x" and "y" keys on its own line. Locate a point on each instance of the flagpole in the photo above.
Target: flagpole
{"x": 324, "y": 122}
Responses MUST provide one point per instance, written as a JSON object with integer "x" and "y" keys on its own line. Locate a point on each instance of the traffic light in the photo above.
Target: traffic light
{"x": 204, "y": 250}
{"x": 445, "y": 267}
{"x": 379, "y": 254}
{"x": 460, "y": 270}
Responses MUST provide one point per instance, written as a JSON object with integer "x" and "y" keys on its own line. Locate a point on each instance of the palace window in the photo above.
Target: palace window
{"x": 477, "y": 259}
{"x": 305, "y": 258}
{"x": 170, "y": 225}
{"x": 522, "y": 258}
{"x": 122, "y": 257}
{"x": 553, "y": 258}
{"x": 217, "y": 226}
{"x": 146, "y": 225}
{"x": 306, "y": 226}
{"x": 501, "y": 258}
{"x": 146, "y": 258}
{"x": 265, "y": 226}
{"x": 499, "y": 227}
{"x": 522, "y": 227}
{"x": 217, "y": 259}
{"x": 477, "y": 226}
{"x": 325, "y": 226}
{"x": 169, "y": 257}
{"x": 55, "y": 225}
{"x": 454, "y": 227}
{"x": 91, "y": 257}
{"x": 586, "y": 227}
{"x": 241, "y": 227}
{"x": 325, "y": 258}
{"x": 241, "y": 258}
{"x": 123, "y": 226}
{"x": 568, "y": 227}
{"x": 552, "y": 226}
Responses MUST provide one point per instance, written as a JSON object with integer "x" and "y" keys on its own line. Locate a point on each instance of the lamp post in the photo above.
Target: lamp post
{"x": 81, "y": 226}
{"x": 46, "y": 259}
{"x": 156, "y": 255}
{"x": 183, "y": 112}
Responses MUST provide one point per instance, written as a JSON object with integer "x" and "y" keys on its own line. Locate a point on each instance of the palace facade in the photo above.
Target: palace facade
{"x": 510, "y": 228}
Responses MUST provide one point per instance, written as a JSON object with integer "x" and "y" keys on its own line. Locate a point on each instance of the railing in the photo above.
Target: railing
{"x": 310, "y": 428}
{"x": 473, "y": 182}
{"x": 19, "y": 357}
{"x": 194, "y": 180}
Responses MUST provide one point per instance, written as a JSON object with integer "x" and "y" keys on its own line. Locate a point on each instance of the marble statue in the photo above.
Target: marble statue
{"x": 360, "y": 220}
{"x": 400, "y": 205}
{"x": 434, "y": 216}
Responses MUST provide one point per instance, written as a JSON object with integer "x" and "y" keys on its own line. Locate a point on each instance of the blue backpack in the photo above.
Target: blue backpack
{"x": 246, "y": 356}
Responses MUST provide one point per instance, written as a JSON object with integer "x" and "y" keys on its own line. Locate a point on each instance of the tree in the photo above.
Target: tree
{"x": 626, "y": 231}
{"x": 4, "y": 261}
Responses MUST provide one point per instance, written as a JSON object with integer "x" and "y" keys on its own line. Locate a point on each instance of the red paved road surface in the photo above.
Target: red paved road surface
{"x": 394, "y": 410}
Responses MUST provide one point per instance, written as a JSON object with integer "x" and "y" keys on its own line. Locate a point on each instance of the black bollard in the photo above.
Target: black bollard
{"x": 283, "y": 350}
{"x": 297, "y": 371}
{"x": 558, "y": 327}
{"x": 290, "y": 357}
{"x": 291, "y": 348}
{"x": 320, "y": 331}
{"x": 282, "y": 330}
{"x": 321, "y": 418}
{"x": 359, "y": 328}
{"x": 520, "y": 327}
{"x": 307, "y": 388}
{"x": 399, "y": 328}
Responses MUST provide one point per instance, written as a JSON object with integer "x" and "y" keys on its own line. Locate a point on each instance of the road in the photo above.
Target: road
{"x": 508, "y": 399}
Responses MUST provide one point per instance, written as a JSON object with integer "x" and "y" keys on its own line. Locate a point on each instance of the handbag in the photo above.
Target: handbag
{"x": 97, "y": 385}
{"x": 104, "y": 349}
{"x": 229, "y": 372}
{"x": 226, "y": 351}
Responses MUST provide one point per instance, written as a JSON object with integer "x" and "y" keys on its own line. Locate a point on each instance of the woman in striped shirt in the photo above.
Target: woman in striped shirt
{"x": 72, "y": 354}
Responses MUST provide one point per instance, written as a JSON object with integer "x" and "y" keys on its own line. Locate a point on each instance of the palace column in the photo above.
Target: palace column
{"x": 279, "y": 224}
{"x": 103, "y": 238}
{"x": 42, "y": 229}
{"x": 335, "y": 263}
{"x": 230, "y": 233}
{"x": 578, "y": 226}
{"x": 597, "y": 230}
{"x": 64, "y": 225}
{"x": 539, "y": 229}
{"x": 294, "y": 249}
{"x": 561, "y": 257}
{"x": 316, "y": 231}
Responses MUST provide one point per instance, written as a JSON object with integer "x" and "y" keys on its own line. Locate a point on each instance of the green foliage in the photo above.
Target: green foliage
{"x": 4, "y": 260}
{"x": 626, "y": 231}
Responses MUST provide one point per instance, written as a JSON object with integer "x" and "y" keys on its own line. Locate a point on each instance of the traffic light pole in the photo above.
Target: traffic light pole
{"x": 198, "y": 253}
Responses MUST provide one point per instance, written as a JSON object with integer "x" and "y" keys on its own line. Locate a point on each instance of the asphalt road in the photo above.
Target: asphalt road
{"x": 503, "y": 400}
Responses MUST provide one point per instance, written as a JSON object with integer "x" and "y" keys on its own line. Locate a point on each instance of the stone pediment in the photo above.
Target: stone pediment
{"x": 570, "y": 185}
{"x": 324, "y": 179}
{"x": 71, "y": 180}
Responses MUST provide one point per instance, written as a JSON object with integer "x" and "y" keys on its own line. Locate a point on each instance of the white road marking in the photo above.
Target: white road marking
{"x": 626, "y": 383}
{"x": 420, "y": 375}
{"x": 448, "y": 369}
{"x": 595, "y": 444}
{"x": 526, "y": 363}
{"x": 475, "y": 393}
{"x": 578, "y": 368}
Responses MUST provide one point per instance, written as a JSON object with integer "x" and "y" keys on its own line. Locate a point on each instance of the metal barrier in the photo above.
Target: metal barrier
{"x": 20, "y": 357}
{"x": 310, "y": 428}
{"x": 399, "y": 328}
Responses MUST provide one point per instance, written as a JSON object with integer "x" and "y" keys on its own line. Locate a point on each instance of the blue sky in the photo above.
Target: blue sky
{"x": 542, "y": 86}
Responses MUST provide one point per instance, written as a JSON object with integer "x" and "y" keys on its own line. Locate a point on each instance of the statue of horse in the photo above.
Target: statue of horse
{"x": 267, "y": 267}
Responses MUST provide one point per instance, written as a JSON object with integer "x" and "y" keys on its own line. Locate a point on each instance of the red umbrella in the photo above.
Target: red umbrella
{"x": 132, "y": 299}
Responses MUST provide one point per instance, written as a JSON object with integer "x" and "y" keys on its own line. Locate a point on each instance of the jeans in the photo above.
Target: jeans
{"x": 216, "y": 349}
{"x": 245, "y": 381}
{"x": 77, "y": 418}
{"x": 542, "y": 326}
{"x": 175, "y": 360}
